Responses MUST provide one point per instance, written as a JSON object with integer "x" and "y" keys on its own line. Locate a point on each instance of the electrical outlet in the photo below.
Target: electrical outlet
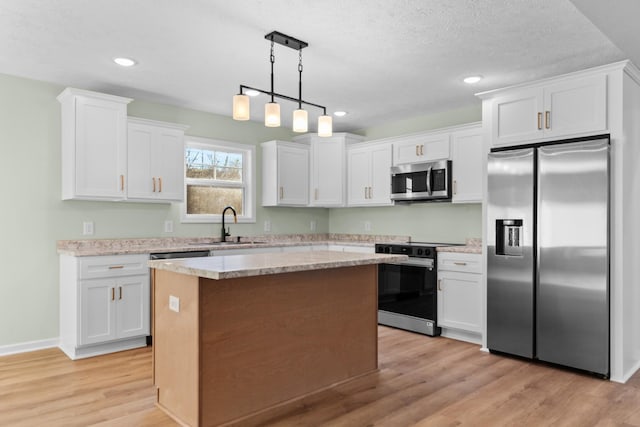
{"x": 367, "y": 226}
{"x": 267, "y": 225}
{"x": 313, "y": 225}
{"x": 87, "y": 228}
{"x": 174, "y": 303}
{"x": 168, "y": 226}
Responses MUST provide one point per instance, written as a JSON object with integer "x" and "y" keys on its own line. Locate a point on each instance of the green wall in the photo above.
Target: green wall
{"x": 33, "y": 216}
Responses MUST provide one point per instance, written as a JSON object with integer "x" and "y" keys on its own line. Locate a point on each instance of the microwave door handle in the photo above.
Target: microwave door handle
{"x": 429, "y": 180}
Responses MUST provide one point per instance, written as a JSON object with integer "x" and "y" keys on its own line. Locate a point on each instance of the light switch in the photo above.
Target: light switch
{"x": 168, "y": 226}
{"x": 267, "y": 225}
{"x": 174, "y": 303}
{"x": 367, "y": 226}
{"x": 313, "y": 225}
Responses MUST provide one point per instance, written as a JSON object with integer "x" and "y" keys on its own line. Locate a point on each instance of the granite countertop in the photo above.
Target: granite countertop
{"x": 232, "y": 266}
{"x": 471, "y": 246}
{"x": 92, "y": 247}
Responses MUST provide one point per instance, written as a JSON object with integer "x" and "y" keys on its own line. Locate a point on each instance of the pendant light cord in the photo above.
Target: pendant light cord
{"x": 300, "y": 79}
{"x": 272, "y": 58}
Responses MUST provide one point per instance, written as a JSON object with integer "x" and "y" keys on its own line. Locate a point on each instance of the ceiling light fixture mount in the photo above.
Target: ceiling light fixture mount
{"x": 241, "y": 104}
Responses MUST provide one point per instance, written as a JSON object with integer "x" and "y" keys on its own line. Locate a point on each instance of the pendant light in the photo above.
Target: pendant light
{"x": 325, "y": 126}
{"x": 241, "y": 107}
{"x": 300, "y": 119}
{"x": 241, "y": 104}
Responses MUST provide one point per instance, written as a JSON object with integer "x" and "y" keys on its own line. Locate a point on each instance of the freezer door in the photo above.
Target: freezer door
{"x": 573, "y": 257}
{"x": 510, "y": 261}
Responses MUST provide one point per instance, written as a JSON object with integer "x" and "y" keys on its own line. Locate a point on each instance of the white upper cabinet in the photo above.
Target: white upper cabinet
{"x": 566, "y": 108}
{"x": 419, "y": 148}
{"x": 155, "y": 167}
{"x": 328, "y": 174}
{"x": 285, "y": 173}
{"x": 369, "y": 178}
{"x": 468, "y": 159}
{"x": 94, "y": 145}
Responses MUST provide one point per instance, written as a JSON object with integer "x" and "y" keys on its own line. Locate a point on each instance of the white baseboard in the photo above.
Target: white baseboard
{"x": 24, "y": 347}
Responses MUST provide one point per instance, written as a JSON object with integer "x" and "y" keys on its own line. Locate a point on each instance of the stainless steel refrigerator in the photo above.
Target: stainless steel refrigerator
{"x": 548, "y": 253}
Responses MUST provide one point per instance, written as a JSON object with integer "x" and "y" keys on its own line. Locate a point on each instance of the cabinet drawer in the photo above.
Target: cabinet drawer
{"x": 94, "y": 267}
{"x": 462, "y": 262}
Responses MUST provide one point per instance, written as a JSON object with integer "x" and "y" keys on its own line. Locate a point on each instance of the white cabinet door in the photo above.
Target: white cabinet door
{"x": 168, "y": 164}
{"x": 132, "y": 308}
{"x": 359, "y": 176}
{"x": 459, "y": 302}
{"x": 575, "y": 106}
{"x": 97, "y": 311}
{"x": 285, "y": 173}
{"x": 99, "y": 141}
{"x": 369, "y": 177}
{"x": 421, "y": 148}
{"x": 380, "y": 171}
{"x": 468, "y": 159}
{"x": 155, "y": 161}
{"x": 139, "y": 171}
{"x": 517, "y": 116}
{"x": 328, "y": 171}
{"x": 293, "y": 176}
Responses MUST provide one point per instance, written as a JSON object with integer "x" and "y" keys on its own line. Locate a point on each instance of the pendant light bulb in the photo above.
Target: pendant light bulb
{"x": 272, "y": 114}
{"x": 300, "y": 122}
{"x": 325, "y": 126}
{"x": 241, "y": 107}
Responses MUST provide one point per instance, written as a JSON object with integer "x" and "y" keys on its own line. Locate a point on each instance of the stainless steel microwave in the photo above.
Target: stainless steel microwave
{"x": 421, "y": 182}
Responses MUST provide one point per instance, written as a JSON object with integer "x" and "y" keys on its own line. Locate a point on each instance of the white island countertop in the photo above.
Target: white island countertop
{"x": 232, "y": 266}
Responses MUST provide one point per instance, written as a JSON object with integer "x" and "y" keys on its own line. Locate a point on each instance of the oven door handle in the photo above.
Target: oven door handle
{"x": 413, "y": 264}
{"x": 429, "y": 181}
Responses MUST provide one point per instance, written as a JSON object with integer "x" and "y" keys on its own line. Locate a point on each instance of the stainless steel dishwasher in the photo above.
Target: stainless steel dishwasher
{"x": 184, "y": 254}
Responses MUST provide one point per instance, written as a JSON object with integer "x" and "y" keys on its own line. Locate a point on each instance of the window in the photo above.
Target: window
{"x": 218, "y": 174}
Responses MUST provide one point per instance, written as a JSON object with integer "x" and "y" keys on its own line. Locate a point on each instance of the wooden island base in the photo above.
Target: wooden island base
{"x": 239, "y": 347}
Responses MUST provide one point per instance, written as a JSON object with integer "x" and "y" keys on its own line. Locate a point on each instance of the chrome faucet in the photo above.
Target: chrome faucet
{"x": 225, "y": 232}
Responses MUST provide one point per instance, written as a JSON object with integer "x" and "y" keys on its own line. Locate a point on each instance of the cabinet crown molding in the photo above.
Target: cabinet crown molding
{"x": 71, "y": 92}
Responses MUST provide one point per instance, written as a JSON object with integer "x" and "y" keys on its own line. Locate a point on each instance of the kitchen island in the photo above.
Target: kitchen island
{"x": 240, "y": 335}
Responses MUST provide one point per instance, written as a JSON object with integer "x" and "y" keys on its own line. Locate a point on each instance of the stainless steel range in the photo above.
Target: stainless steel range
{"x": 407, "y": 291}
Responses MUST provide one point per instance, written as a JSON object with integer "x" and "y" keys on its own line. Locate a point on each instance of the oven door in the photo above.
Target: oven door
{"x": 408, "y": 288}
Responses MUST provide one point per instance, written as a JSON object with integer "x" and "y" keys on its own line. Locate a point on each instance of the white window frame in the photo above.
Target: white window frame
{"x": 249, "y": 179}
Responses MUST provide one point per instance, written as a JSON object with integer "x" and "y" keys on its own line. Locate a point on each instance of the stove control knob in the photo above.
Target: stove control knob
{"x": 419, "y": 251}
{"x": 387, "y": 249}
{"x": 427, "y": 252}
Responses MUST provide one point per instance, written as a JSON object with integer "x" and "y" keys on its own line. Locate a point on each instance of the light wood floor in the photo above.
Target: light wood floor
{"x": 422, "y": 382}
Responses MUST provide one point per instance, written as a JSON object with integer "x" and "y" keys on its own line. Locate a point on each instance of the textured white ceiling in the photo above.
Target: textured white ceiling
{"x": 381, "y": 60}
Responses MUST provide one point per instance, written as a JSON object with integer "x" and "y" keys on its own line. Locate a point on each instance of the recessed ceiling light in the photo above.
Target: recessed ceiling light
{"x": 472, "y": 79}
{"x": 251, "y": 92}
{"x": 124, "y": 62}
{"x": 339, "y": 113}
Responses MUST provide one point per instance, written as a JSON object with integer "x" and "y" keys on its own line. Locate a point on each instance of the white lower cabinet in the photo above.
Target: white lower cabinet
{"x": 459, "y": 296}
{"x": 104, "y": 304}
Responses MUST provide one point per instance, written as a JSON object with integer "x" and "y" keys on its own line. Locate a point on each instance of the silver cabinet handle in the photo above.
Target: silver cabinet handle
{"x": 315, "y": 194}
{"x": 439, "y": 284}
{"x": 455, "y": 187}
{"x": 417, "y": 150}
{"x": 547, "y": 119}
{"x": 539, "y": 121}
{"x": 460, "y": 263}
{"x": 154, "y": 183}
{"x": 160, "y": 184}
{"x": 422, "y": 150}
{"x": 281, "y": 193}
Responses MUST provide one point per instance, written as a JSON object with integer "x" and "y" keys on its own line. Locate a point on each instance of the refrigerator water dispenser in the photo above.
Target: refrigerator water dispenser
{"x": 509, "y": 239}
